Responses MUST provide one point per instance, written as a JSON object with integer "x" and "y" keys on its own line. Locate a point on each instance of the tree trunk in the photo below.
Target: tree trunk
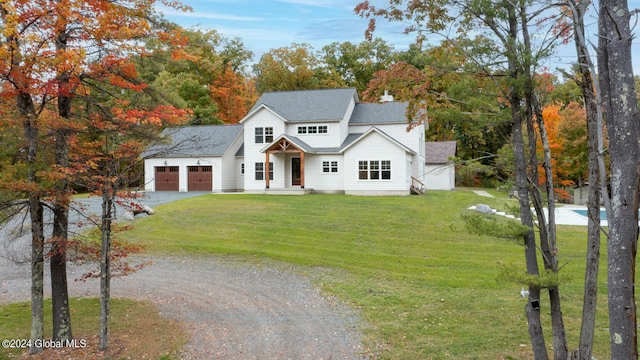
{"x": 59, "y": 291}
{"x": 586, "y": 83}
{"x": 105, "y": 264}
{"x": 620, "y": 108}
{"x": 532, "y": 309}
{"x": 548, "y": 243}
{"x": 58, "y": 262}
{"x": 26, "y": 108}
{"x": 533, "y": 314}
{"x": 37, "y": 274}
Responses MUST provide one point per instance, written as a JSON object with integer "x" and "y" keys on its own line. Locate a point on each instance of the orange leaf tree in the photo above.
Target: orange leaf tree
{"x": 234, "y": 95}
{"x": 59, "y": 61}
{"x": 562, "y": 175}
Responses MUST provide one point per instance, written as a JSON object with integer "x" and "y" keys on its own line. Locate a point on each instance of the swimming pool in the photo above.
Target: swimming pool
{"x": 603, "y": 213}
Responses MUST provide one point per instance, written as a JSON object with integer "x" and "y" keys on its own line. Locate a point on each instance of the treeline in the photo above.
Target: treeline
{"x": 462, "y": 102}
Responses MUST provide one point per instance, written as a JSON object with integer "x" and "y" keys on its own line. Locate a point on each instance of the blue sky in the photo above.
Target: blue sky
{"x": 267, "y": 24}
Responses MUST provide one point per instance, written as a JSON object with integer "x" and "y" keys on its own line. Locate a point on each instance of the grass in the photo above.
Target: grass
{"x": 426, "y": 288}
{"x": 136, "y": 331}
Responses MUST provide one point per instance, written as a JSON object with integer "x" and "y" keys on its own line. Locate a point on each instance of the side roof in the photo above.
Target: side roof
{"x": 315, "y": 150}
{"x": 309, "y": 105}
{"x": 379, "y": 113}
{"x": 438, "y": 152}
{"x": 194, "y": 141}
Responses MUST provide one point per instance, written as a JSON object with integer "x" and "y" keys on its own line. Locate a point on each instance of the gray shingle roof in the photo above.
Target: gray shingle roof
{"x": 194, "y": 141}
{"x": 438, "y": 152}
{"x": 319, "y": 150}
{"x": 379, "y": 113}
{"x": 309, "y": 105}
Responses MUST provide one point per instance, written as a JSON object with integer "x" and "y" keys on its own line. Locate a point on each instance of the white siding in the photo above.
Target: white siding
{"x": 440, "y": 177}
{"x": 324, "y": 182}
{"x": 344, "y": 124}
{"x": 239, "y": 163}
{"x": 376, "y": 147}
{"x": 230, "y": 172}
{"x": 330, "y": 139}
{"x": 413, "y": 139}
{"x": 262, "y": 118}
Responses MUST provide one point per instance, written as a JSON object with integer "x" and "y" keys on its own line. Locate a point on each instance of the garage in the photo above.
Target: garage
{"x": 167, "y": 178}
{"x": 200, "y": 178}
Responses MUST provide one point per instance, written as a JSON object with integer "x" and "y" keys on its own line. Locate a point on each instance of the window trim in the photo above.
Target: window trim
{"x": 330, "y": 167}
{"x": 259, "y": 135}
{"x": 263, "y": 134}
{"x": 313, "y": 129}
{"x": 259, "y": 169}
{"x": 374, "y": 170}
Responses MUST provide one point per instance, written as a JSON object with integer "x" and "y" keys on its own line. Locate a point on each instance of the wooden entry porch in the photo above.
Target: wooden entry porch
{"x": 296, "y": 165}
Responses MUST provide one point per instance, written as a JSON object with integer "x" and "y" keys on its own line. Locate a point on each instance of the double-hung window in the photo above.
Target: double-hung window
{"x": 385, "y": 169}
{"x": 374, "y": 170}
{"x": 263, "y": 135}
{"x": 259, "y": 171}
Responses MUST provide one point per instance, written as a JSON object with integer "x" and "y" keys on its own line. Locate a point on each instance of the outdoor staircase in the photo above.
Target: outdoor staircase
{"x": 417, "y": 187}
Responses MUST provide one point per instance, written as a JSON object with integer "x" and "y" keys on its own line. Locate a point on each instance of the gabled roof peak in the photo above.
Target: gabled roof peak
{"x": 309, "y": 105}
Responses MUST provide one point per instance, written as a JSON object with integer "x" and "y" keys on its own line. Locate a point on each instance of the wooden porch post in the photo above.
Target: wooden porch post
{"x": 266, "y": 170}
{"x": 302, "y": 169}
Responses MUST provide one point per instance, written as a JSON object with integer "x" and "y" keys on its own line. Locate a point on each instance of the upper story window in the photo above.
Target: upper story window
{"x": 313, "y": 129}
{"x": 264, "y": 135}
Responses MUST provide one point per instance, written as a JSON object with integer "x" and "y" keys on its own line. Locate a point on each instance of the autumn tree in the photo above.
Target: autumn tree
{"x": 562, "y": 175}
{"x": 206, "y": 79}
{"x": 357, "y": 63}
{"x": 54, "y": 54}
{"x": 461, "y": 102}
{"x": 502, "y": 45}
{"x": 296, "y": 67}
{"x": 572, "y": 134}
{"x": 234, "y": 95}
{"x": 107, "y": 153}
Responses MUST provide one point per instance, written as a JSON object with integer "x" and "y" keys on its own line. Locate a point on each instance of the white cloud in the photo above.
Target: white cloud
{"x": 209, "y": 15}
{"x": 319, "y": 3}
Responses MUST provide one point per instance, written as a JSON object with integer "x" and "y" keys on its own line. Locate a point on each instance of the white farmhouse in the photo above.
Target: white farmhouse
{"x": 322, "y": 141}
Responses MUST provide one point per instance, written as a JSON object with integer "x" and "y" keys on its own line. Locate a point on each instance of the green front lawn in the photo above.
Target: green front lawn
{"x": 427, "y": 288}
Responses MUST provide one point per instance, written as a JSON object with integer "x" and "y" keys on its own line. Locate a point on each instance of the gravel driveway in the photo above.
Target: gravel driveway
{"x": 232, "y": 310}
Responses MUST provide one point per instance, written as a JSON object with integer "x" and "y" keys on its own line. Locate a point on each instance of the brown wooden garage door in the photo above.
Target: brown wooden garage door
{"x": 200, "y": 178}
{"x": 167, "y": 178}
